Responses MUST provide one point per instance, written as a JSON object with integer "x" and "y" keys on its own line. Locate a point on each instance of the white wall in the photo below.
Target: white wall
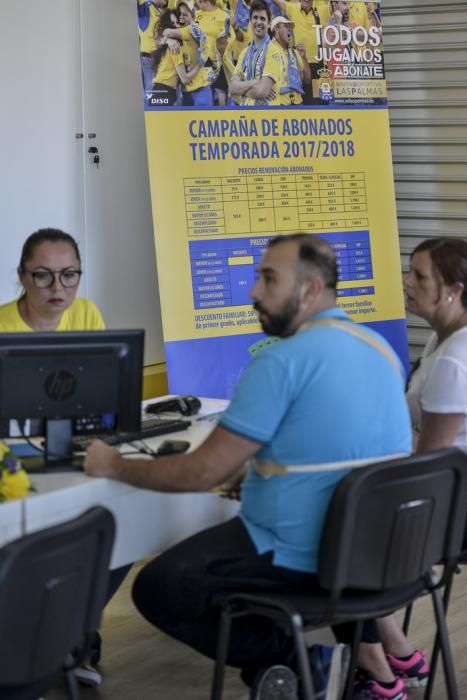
{"x": 41, "y": 179}
{"x": 72, "y": 67}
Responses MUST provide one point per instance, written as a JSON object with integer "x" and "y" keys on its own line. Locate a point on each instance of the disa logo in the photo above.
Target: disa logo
{"x": 156, "y": 100}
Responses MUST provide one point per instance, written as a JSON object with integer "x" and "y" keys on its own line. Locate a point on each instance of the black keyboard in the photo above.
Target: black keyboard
{"x": 150, "y": 427}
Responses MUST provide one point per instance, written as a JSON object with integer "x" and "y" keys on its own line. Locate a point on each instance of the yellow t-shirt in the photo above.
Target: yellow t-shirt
{"x": 190, "y": 59}
{"x": 271, "y": 69}
{"x": 82, "y": 315}
{"x": 213, "y": 23}
{"x": 228, "y": 59}
{"x": 147, "y": 38}
{"x": 323, "y": 10}
{"x": 358, "y": 12}
{"x": 282, "y": 57}
{"x": 234, "y": 49}
{"x": 236, "y": 46}
{"x": 359, "y": 15}
{"x": 304, "y": 31}
{"x": 166, "y": 70}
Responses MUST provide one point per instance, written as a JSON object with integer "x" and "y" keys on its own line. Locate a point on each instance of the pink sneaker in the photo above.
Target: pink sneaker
{"x": 414, "y": 672}
{"x": 368, "y": 689}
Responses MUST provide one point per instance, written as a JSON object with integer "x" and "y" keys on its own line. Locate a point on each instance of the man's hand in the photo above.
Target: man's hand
{"x": 173, "y": 44}
{"x": 301, "y": 50}
{"x": 102, "y": 460}
{"x": 237, "y": 87}
{"x": 337, "y": 16}
{"x": 236, "y": 28}
{"x": 232, "y": 488}
{"x": 272, "y": 94}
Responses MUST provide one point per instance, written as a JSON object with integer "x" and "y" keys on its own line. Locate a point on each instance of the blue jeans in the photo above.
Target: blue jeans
{"x": 198, "y": 98}
{"x": 147, "y": 71}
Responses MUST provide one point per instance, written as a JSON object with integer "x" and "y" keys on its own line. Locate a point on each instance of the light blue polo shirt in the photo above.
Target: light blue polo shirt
{"x": 320, "y": 396}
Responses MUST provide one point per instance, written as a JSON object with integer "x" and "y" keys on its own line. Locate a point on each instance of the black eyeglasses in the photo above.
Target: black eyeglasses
{"x": 45, "y": 278}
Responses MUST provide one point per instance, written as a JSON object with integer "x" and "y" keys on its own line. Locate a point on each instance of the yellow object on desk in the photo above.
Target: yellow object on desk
{"x": 14, "y": 482}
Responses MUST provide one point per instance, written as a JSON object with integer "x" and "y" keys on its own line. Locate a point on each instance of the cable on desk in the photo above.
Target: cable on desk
{"x": 41, "y": 450}
{"x": 145, "y": 450}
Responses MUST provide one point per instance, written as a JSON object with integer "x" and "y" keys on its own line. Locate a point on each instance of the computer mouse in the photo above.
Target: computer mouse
{"x": 173, "y": 447}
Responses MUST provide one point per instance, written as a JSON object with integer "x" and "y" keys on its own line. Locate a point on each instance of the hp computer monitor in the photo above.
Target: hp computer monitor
{"x": 57, "y": 384}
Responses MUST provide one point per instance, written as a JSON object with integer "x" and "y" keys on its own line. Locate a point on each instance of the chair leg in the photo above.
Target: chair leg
{"x": 407, "y": 618}
{"x": 436, "y": 643}
{"x": 71, "y": 684}
{"x": 221, "y": 655}
{"x": 302, "y": 657}
{"x": 442, "y": 641}
{"x": 357, "y": 638}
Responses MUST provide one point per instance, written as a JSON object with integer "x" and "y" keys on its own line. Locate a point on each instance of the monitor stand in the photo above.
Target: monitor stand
{"x": 58, "y": 439}
{"x": 58, "y": 454}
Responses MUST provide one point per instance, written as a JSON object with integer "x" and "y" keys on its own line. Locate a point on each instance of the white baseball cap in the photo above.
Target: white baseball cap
{"x": 280, "y": 20}
{"x": 189, "y": 3}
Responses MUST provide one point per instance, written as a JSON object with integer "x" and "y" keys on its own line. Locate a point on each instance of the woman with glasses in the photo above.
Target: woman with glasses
{"x": 49, "y": 272}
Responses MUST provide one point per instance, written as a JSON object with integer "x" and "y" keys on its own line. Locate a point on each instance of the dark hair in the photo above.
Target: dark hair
{"x": 449, "y": 258}
{"x": 45, "y": 235}
{"x": 258, "y": 5}
{"x": 165, "y": 22}
{"x": 315, "y": 253}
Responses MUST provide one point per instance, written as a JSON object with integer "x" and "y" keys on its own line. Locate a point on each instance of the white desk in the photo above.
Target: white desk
{"x": 11, "y": 521}
{"x": 147, "y": 521}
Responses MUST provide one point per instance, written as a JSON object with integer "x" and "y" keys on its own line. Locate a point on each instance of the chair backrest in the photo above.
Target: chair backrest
{"x": 53, "y": 586}
{"x": 390, "y": 522}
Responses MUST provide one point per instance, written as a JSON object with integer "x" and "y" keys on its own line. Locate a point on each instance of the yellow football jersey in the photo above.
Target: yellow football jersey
{"x": 282, "y": 57}
{"x": 304, "y": 31}
{"x": 147, "y": 37}
{"x": 166, "y": 70}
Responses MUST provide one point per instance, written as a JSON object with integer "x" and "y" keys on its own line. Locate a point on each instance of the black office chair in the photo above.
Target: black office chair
{"x": 53, "y": 585}
{"x": 462, "y": 561}
{"x": 387, "y": 525}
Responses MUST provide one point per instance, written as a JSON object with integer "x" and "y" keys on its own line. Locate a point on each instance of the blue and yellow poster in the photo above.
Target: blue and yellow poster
{"x": 264, "y": 118}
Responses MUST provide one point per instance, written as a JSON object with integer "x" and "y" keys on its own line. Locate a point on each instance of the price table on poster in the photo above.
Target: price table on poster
{"x": 223, "y": 271}
{"x": 275, "y": 203}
